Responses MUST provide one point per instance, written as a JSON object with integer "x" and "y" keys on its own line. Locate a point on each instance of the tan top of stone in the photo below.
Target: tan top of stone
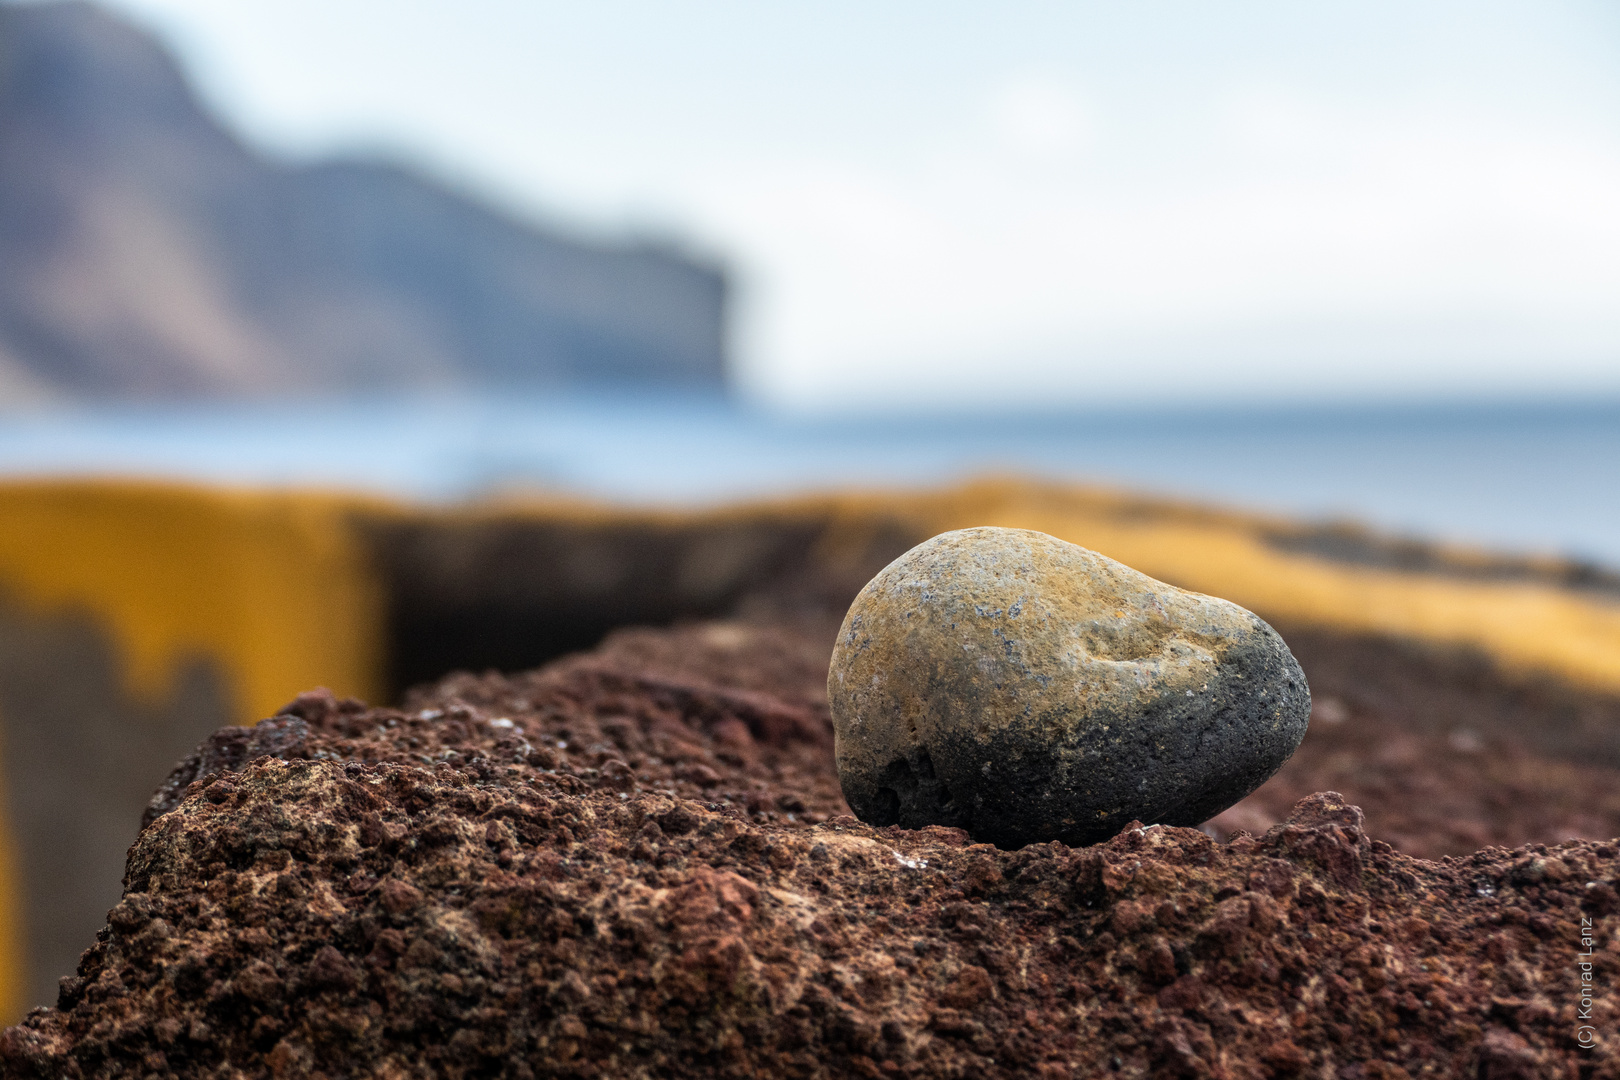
{"x": 1019, "y": 626}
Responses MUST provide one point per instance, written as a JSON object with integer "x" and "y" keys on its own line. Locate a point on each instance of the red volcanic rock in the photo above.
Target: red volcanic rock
{"x": 617, "y": 867}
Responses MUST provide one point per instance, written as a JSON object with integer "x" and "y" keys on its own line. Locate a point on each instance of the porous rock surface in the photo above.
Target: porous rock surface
{"x": 617, "y": 867}
{"x": 1026, "y": 689}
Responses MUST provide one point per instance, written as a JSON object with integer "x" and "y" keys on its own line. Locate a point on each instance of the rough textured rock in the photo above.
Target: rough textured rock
{"x": 619, "y": 866}
{"x": 1026, "y": 689}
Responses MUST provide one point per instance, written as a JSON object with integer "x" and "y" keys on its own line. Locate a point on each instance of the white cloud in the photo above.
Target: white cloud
{"x": 1303, "y": 248}
{"x": 1040, "y": 115}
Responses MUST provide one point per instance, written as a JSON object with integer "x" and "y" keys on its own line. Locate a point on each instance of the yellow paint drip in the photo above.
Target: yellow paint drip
{"x": 273, "y": 587}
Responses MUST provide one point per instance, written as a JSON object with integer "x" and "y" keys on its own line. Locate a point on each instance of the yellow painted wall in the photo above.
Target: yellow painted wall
{"x": 274, "y": 586}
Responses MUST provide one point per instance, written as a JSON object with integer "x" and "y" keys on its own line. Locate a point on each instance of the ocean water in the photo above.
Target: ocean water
{"x": 1541, "y": 478}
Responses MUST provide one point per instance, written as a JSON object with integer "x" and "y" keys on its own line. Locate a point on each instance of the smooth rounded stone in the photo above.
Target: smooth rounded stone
{"x": 1026, "y": 689}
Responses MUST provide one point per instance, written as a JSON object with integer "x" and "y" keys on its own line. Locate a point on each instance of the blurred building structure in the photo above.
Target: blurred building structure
{"x": 147, "y": 253}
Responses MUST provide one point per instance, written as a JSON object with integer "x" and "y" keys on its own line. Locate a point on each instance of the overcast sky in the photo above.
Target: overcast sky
{"x": 1020, "y": 203}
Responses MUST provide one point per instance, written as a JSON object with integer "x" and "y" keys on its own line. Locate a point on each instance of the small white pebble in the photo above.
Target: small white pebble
{"x": 500, "y": 722}
{"x": 910, "y": 864}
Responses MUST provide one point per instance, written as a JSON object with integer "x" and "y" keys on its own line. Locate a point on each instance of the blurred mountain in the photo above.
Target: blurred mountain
{"x": 145, "y": 252}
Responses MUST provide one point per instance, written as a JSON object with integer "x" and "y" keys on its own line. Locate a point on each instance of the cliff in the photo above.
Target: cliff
{"x": 146, "y": 252}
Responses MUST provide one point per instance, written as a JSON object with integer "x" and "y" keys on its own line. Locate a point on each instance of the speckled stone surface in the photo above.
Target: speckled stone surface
{"x": 1026, "y": 689}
